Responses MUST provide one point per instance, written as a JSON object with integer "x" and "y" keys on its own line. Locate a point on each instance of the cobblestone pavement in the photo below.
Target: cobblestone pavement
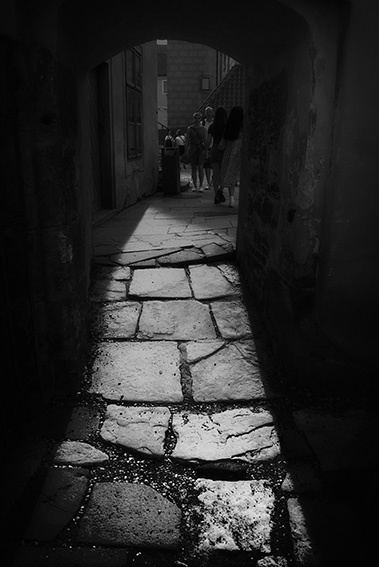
{"x": 183, "y": 445}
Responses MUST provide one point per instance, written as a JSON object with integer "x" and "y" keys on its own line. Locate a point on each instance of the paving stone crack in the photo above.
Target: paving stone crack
{"x": 249, "y": 431}
{"x": 171, "y": 438}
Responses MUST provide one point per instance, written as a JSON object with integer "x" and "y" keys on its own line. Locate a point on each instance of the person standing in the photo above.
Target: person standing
{"x": 206, "y": 122}
{"x": 231, "y": 159}
{"x": 169, "y": 140}
{"x": 195, "y": 150}
{"x": 215, "y": 132}
{"x": 180, "y": 142}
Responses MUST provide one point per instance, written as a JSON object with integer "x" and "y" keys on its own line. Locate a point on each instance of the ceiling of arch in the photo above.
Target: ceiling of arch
{"x": 94, "y": 30}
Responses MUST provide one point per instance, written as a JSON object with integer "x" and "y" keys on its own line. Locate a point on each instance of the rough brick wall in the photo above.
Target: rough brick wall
{"x": 266, "y": 113}
{"x": 43, "y": 255}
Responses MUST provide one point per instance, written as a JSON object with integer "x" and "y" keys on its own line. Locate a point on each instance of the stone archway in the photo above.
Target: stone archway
{"x": 290, "y": 53}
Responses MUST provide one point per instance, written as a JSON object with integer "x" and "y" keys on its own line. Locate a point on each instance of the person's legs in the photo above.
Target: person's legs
{"x": 208, "y": 175}
{"x": 217, "y": 184}
{"x": 194, "y": 176}
{"x": 216, "y": 176}
{"x": 231, "y": 196}
{"x": 201, "y": 176}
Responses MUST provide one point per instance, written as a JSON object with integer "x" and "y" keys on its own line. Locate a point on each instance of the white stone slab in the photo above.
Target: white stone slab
{"x": 119, "y": 319}
{"x": 198, "y": 350}
{"x": 230, "y": 271}
{"x": 178, "y": 320}
{"x": 141, "y": 429}
{"x": 138, "y": 372}
{"x": 128, "y": 258}
{"x": 208, "y": 283}
{"x": 236, "y": 434}
{"x": 78, "y": 453}
{"x": 272, "y": 561}
{"x": 228, "y": 374}
{"x": 234, "y": 516}
{"x": 232, "y": 319}
{"x": 160, "y": 282}
{"x": 213, "y": 250}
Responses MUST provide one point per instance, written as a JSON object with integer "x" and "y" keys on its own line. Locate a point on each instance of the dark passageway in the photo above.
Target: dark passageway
{"x": 184, "y": 444}
{"x": 307, "y": 257}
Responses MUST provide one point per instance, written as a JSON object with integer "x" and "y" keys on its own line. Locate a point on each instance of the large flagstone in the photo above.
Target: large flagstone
{"x": 229, "y": 374}
{"x": 232, "y": 319}
{"x": 195, "y": 351}
{"x": 208, "y": 283}
{"x": 213, "y": 250}
{"x": 108, "y": 290}
{"x": 138, "y": 372}
{"x": 182, "y": 257}
{"x": 230, "y": 271}
{"x": 160, "y": 282}
{"x": 176, "y": 320}
{"x": 119, "y": 319}
{"x": 238, "y": 435}
{"x": 211, "y": 223}
{"x": 234, "y": 516}
{"x": 78, "y": 453}
{"x": 128, "y": 258}
{"x": 126, "y": 514}
{"x": 141, "y": 429}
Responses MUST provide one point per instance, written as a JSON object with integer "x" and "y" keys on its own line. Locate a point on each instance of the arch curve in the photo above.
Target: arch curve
{"x": 94, "y": 31}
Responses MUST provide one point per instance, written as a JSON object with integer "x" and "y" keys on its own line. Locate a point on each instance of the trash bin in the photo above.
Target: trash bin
{"x": 170, "y": 170}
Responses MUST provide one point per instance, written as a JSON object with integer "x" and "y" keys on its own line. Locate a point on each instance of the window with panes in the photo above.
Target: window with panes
{"x": 133, "y": 66}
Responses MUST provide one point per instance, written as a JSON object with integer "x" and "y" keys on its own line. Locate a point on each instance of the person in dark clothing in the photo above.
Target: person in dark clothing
{"x": 169, "y": 140}
{"x": 207, "y": 122}
{"x": 232, "y": 144}
{"x": 215, "y": 132}
{"x": 195, "y": 150}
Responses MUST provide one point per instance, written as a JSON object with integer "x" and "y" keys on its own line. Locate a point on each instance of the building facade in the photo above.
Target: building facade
{"x": 162, "y": 83}
{"x": 193, "y": 71}
{"x": 123, "y": 138}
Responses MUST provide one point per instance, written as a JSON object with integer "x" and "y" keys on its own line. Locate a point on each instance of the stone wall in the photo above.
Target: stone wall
{"x": 266, "y": 113}
{"x": 280, "y": 224}
{"x": 46, "y": 225}
{"x": 44, "y": 258}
